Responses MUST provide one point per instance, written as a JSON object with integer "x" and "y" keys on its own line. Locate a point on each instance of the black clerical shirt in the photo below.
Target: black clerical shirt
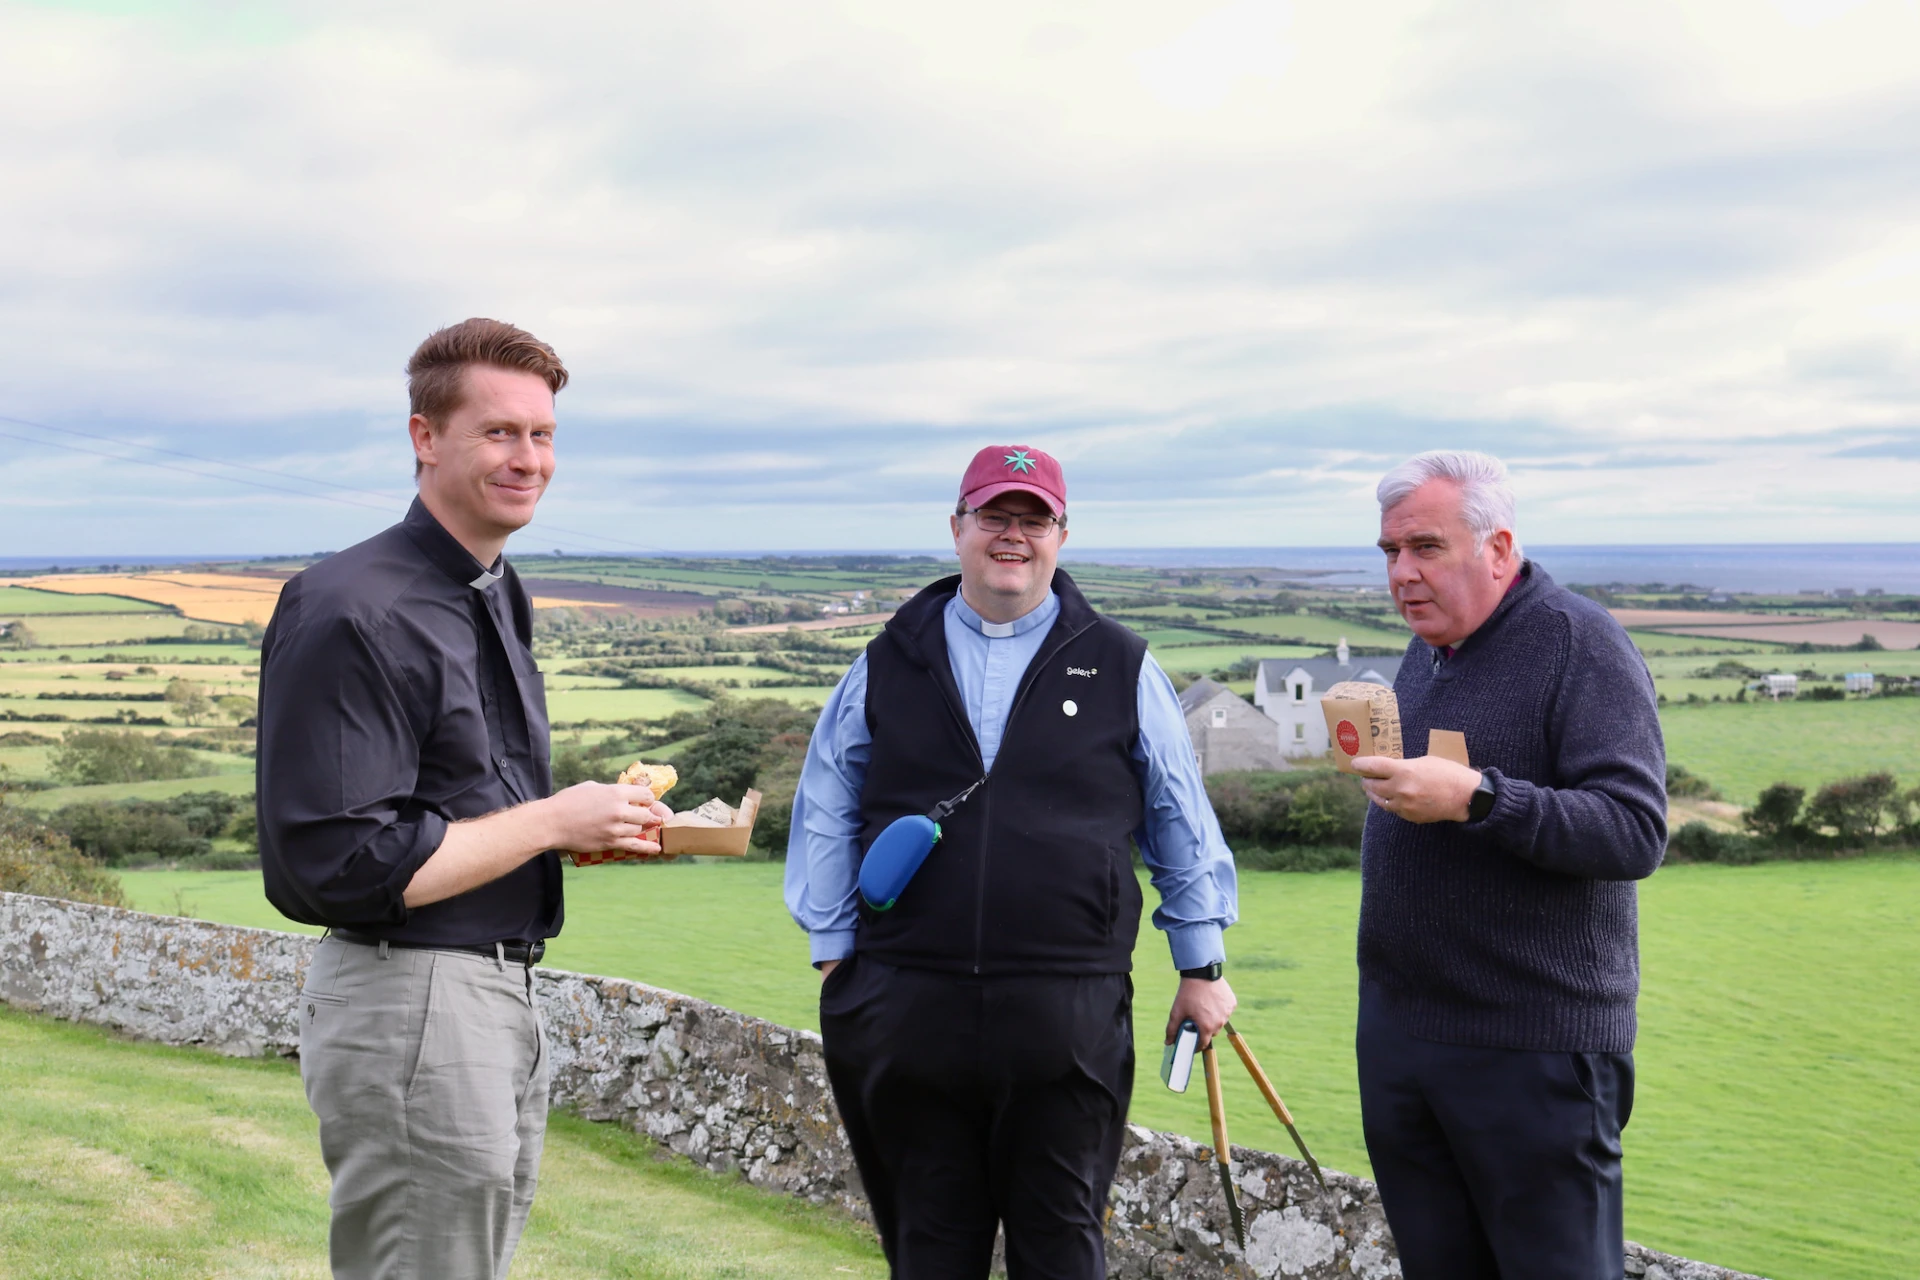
{"x": 398, "y": 694}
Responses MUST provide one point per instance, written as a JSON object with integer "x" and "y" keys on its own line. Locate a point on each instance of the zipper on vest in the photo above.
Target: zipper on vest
{"x": 986, "y": 815}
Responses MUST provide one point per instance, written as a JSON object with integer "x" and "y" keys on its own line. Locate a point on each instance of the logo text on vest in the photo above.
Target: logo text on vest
{"x": 1083, "y": 671}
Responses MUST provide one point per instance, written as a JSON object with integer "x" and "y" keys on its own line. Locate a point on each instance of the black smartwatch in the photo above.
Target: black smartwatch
{"x": 1206, "y": 972}
{"x": 1480, "y": 804}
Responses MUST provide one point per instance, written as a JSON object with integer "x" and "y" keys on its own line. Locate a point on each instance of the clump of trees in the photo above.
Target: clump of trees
{"x": 38, "y": 860}
{"x": 180, "y": 828}
{"x": 1850, "y": 815}
{"x": 90, "y": 757}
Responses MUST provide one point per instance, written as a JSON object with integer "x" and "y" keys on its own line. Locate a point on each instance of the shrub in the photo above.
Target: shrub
{"x": 116, "y": 834}
{"x": 1682, "y": 783}
{"x": 34, "y": 859}
{"x": 1271, "y": 811}
{"x": 89, "y": 757}
{"x": 1775, "y": 816}
{"x": 575, "y": 764}
{"x": 1329, "y": 810}
{"x": 1824, "y": 693}
{"x": 1299, "y": 857}
{"x": 1853, "y": 808}
{"x": 1698, "y": 842}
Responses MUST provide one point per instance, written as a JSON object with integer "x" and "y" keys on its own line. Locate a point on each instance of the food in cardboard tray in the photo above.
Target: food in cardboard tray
{"x": 1355, "y": 708}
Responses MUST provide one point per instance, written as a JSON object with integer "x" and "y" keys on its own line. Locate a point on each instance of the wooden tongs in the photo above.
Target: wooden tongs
{"x": 1217, "y": 1112}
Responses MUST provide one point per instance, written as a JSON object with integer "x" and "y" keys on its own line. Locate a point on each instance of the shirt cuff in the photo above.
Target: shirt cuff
{"x": 1196, "y": 945}
{"x": 832, "y": 944}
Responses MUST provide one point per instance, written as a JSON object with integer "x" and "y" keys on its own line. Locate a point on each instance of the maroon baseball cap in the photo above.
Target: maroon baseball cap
{"x": 1002, "y": 468}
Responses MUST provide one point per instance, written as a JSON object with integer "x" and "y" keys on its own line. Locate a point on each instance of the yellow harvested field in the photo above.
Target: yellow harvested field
{"x": 557, "y": 602}
{"x": 231, "y": 598}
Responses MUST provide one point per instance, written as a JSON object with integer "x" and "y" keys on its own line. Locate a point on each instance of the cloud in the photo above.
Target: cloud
{"x": 1228, "y": 263}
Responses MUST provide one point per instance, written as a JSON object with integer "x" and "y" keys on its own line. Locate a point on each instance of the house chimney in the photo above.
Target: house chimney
{"x": 1342, "y": 651}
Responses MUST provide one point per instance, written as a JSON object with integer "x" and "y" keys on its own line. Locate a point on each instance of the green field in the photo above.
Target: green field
{"x": 1318, "y": 630}
{"x": 567, "y": 705}
{"x": 234, "y": 777}
{"x": 26, "y": 602}
{"x": 1743, "y": 747}
{"x": 112, "y": 628}
{"x": 1778, "y": 1113}
{"x": 122, "y": 1160}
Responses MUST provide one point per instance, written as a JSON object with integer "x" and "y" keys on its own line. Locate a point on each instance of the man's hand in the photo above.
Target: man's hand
{"x": 582, "y": 819}
{"x": 1207, "y": 1004}
{"x": 827, "y": 967}
{"x": 591, "y": 816}
{"x": 1428, "y": 789}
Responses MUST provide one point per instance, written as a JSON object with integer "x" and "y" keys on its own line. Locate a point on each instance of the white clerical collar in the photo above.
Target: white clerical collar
{"x": 487, "y": 579}
{"x": 1040, "y": 615}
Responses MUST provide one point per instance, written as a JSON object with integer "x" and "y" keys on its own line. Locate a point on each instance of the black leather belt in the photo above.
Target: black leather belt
{"x": 520, "y": 953}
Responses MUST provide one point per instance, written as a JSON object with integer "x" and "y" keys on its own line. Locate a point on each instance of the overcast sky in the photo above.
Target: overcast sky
{"x": 803, "y": 258}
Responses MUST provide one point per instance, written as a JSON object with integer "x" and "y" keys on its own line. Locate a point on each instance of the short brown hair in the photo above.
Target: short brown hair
{"x": 436, "y": 375}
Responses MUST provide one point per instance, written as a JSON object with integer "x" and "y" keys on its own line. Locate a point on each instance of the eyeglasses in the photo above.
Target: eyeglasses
{"x": 1034, "y": 526}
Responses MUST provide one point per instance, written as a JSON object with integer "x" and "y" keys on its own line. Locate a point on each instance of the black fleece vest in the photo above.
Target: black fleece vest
{"x": 1034, "y": 872}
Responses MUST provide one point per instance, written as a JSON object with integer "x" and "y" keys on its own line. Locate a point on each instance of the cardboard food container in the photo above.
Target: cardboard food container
{"x": 687, "y": 833}
{"x": 1362, "y": 720}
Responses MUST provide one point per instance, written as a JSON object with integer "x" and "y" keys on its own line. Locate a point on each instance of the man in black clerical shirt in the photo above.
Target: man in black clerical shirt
{"x": 404, "y": 803}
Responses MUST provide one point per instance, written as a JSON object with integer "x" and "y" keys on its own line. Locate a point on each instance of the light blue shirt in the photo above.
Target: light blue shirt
{"x": 1178, "y": 835}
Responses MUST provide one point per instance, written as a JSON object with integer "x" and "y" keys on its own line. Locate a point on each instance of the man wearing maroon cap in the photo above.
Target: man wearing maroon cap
{"x": 979, "y": 1028}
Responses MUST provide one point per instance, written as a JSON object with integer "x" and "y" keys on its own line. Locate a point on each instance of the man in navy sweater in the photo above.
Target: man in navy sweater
{"x": 1499, "y": 933}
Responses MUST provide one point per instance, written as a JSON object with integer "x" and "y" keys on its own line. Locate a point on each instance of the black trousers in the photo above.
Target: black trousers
{"x": 1494, "y": 1164}
{"x": 976, "y": 1103}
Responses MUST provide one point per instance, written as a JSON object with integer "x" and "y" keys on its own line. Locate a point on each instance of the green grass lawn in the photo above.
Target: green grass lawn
{"x": 1743, "y": 747}
{"x": 124, "y": 1160}
{"x": 1778, "y": 1117}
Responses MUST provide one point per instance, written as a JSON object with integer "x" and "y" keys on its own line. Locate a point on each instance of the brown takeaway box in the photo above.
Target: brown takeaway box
{"x": 685, "y": 834}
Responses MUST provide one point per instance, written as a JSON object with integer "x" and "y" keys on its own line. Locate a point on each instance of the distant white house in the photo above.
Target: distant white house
{"x": 1779, "y": 686}
{"x": 1228, "y": 733}
{"x": 1289, "y": 691}
{"x": 1859, "y": 682}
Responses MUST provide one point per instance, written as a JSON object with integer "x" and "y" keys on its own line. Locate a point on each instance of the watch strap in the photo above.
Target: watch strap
{"x": 1480, "y": 804}
{"x": 1208, "y": 972}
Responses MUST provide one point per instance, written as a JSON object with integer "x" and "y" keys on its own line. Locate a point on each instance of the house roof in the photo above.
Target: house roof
{"x": 1327, "y": 672}
{"x": 1199, "y": 694}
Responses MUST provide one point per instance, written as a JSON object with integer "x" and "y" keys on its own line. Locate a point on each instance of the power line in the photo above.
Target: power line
{"x": 384, "y": 501}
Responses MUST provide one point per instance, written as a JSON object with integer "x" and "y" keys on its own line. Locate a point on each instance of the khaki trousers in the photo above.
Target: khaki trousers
{"x": 428, "y": 1071}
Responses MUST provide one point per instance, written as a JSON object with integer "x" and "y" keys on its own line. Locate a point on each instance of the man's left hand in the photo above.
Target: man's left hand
{"x": 1207, "y": 1004}
{"x": 1427, "y": 789}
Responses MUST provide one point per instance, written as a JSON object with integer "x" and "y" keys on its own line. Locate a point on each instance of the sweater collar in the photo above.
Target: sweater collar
{"x": 1526, "y": 584}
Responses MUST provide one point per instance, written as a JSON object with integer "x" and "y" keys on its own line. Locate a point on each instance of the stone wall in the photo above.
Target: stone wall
{"x": 725, "y": 1090}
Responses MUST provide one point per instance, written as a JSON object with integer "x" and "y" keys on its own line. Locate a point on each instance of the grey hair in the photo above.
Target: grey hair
{"x": 1486, "y": 497}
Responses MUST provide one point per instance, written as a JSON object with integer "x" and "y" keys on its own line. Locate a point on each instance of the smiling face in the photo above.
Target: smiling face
{"x": 1442, "y": 584}
{"x": 483, "y": 469}
{"x": 1004, "y": 576}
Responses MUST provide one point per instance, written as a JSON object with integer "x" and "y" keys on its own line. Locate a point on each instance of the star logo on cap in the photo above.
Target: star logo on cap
{"x": 1020, "y": 461}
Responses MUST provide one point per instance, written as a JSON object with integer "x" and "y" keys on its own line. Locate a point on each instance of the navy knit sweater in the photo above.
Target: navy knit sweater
{"x": 1521, "y": 931}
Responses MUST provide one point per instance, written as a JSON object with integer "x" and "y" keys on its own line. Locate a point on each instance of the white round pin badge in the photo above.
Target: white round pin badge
{"x": 1071, "y": 707}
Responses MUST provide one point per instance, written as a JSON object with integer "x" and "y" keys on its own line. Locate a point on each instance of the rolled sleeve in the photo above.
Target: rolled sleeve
{"x": 1179, "y": 836}
{"x": 341, "y": 834}
{"x": 823, "y": 844}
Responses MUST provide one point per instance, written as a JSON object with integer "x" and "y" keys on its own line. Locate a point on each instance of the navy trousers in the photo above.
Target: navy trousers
{"x": 1494, "y": 1164}
{"x": 976, "y": 1104}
